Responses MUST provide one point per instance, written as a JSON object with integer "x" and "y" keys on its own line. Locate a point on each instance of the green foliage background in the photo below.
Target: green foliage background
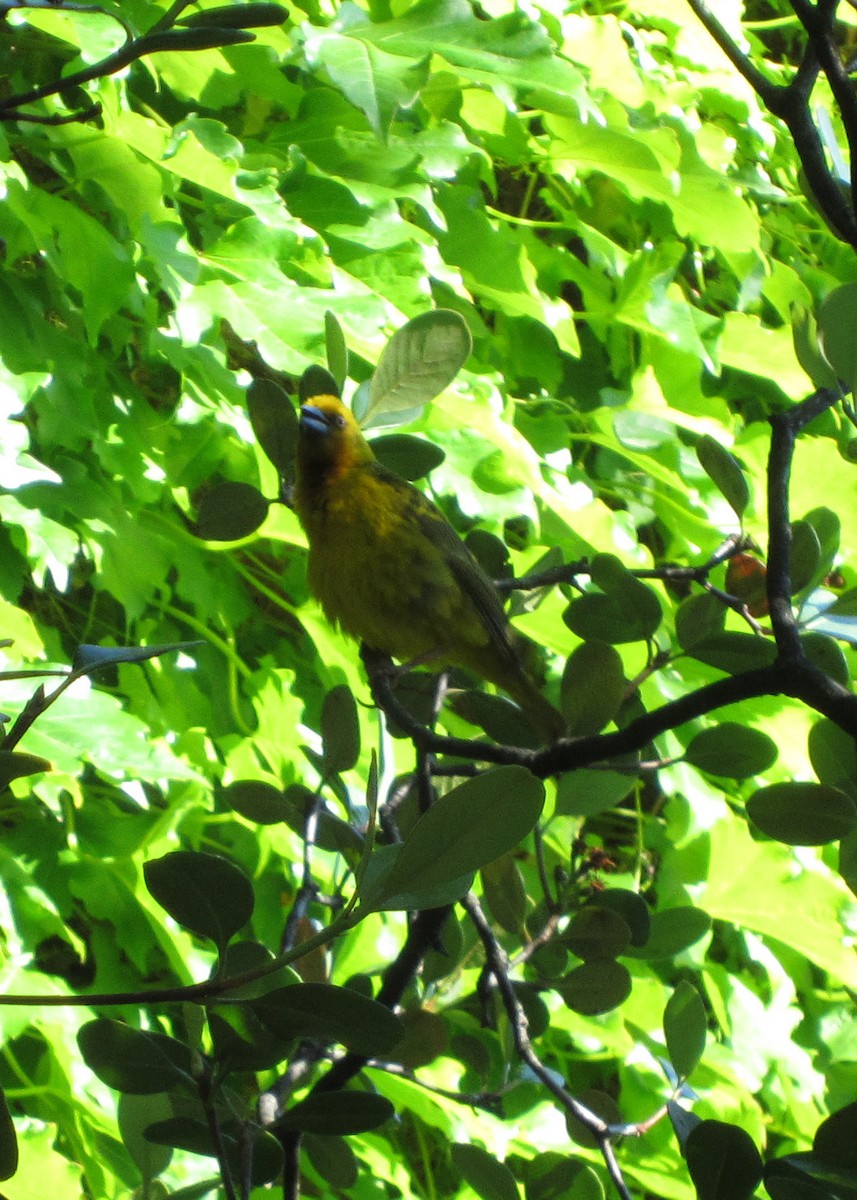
{"x": 599, "y": 195}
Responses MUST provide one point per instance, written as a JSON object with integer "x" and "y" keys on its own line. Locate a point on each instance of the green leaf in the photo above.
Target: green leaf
{"x": 377, "y": 83}
{"x": 252, "y": 15}
{"x": 835, "y": 1139}
{"x": 732, "y": 751}
{"x": 317, "y": 381}
{"x": 229, "y": 512}
{"x": 593, "y": 687}
{"x": 805, "y": 1176}
{"x": 337, "y": 1113}
{"x": 90, "y": 658}
{"x": 624, "y": 610}
{"x": 418, "y": 362}
{"x": 14, "y": 764}
{"x": 337, "y": 350}
{"x": 699, "y": 618}
{"x": 837, "y": 320}
{"x": 587, "y": 792}
{"x": 596, "y": 987}
{"x": 735, "y": 652}
{"x": 473, "y": 824}
{"x": 134, "y": 1060}
{"x": 208, "y": 37}
{"x": 207, "y": 894}
{"x": 340, "y": 730}
{"x": 672, "y": 931}
{"x": 806, "y": 555}
{"x": 329, "y": 1014}
{"x": 597, "y": 932}
{"x": 833, "y": 756}
{"x": 257, "y": 801}
{"x": 135, "y": 1113}
{"x": 826, "y": 653}
{"x": 8, "y": 1141}
{"x": 275, "y": 422}
{"x": 725, "y": 472}
{"x": 724, "y": 1163}
{"x": 487, "y": 1176}
{"x": 803, "y": 814}
{"x": 685, "y": 1028}
{"x": 808, "y": 349}
{"x": 407, "y": 456}
{"x": 505, "y": 893}
{"x": 631, "y": 907}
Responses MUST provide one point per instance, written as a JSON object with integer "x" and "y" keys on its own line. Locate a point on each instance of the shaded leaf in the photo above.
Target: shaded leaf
{"x": 274, "y": 420}
{"x": 15, "y": 764}
{"x": 257, "y": 801}
{"x": 685, "y": 1028}
{"x": 489, "y": 1178}
{"x": 407, "y": 456}
{"x": 597, "y": 931}
{"x": 337, "y": 350}
{"x": 673, "y": 930}
{"x": 90, "y": 658}
{"x": 340, "y": 730}
{"x": 253, "y": 15}
{"x": 473, "y": 824}
{"x": 596, "y": 987}
{"x": 8, "y": 1141}
{"x": 229, "y": 512}
{"x": 724, "y": 1163}
{"x": 134, "y": 1060}
{"x": 329, "y": 1014}
{"x": 317, "y": 381}
{"x": 803, "y": 814}
{"x": 593, "y": 687}
{"x": 337, "y": 1113}
{"x": 725, "y": 472}
{"x": 207, "y": 894}
{"x": 732, "y": 751}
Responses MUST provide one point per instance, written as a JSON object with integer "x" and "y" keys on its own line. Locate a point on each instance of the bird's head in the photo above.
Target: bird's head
{"x": 329, "y": 436}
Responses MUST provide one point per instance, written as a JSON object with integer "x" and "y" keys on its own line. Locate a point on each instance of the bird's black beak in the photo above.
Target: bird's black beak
{"x": 313, "y": 420}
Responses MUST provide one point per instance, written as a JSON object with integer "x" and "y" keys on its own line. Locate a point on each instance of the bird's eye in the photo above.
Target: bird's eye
{"x": 339, "y": 421}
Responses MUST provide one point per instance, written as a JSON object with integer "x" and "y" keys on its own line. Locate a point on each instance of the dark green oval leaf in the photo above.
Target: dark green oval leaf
{"x": 732, "y": 751}
{"x": 734, "y": 652}
{"x": 698, "y": 618}
{"x": 336, "y": 349}
{"x": 593, "y": 687}
{"x": 230, "y": 511}
{"x": 330, "y": 1014}
{"x": 257, "y": 801}
{"x": 597, "y": 932}
{"x": 8, "y": 1141}
{"x": 180, "y": 40}
{"x": 685, "y": 1028}
{"x": 14, "y": 764}
{"x": 724, "y": 471}
{"x": 274, "y": 421}
{"x": 596, "y": 987}
{"x": 633, "y": 910}
{"x": 407, "y": 456}
{"x": 134, "y": 1060}
{"x": 836, "y": 1138}
{"x": 338, "y": 1113}
{"x": 316, "y": 381}
{"x": 489, "y": 1178}
{"x": 806, "y": 555}
{"x": 340, "y": 730}
{"x": 470, "y": 826}
{"x": 724, "y": 1163}
{"x": 803, "y": 814}
{"x": 837, "y": 320}
{"x": 826, "y": 654}
{"x": 807, "y": 349}
{"x": 673, "y": 930}
{"x": 207, "y": 894}
{"x": 237, "y": 16}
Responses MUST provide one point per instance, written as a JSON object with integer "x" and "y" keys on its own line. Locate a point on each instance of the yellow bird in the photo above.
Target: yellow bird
{"x": 390, "y": 570}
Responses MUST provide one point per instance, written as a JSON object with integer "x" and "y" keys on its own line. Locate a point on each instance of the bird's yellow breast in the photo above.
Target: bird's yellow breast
{"x": 376, "y": 573}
